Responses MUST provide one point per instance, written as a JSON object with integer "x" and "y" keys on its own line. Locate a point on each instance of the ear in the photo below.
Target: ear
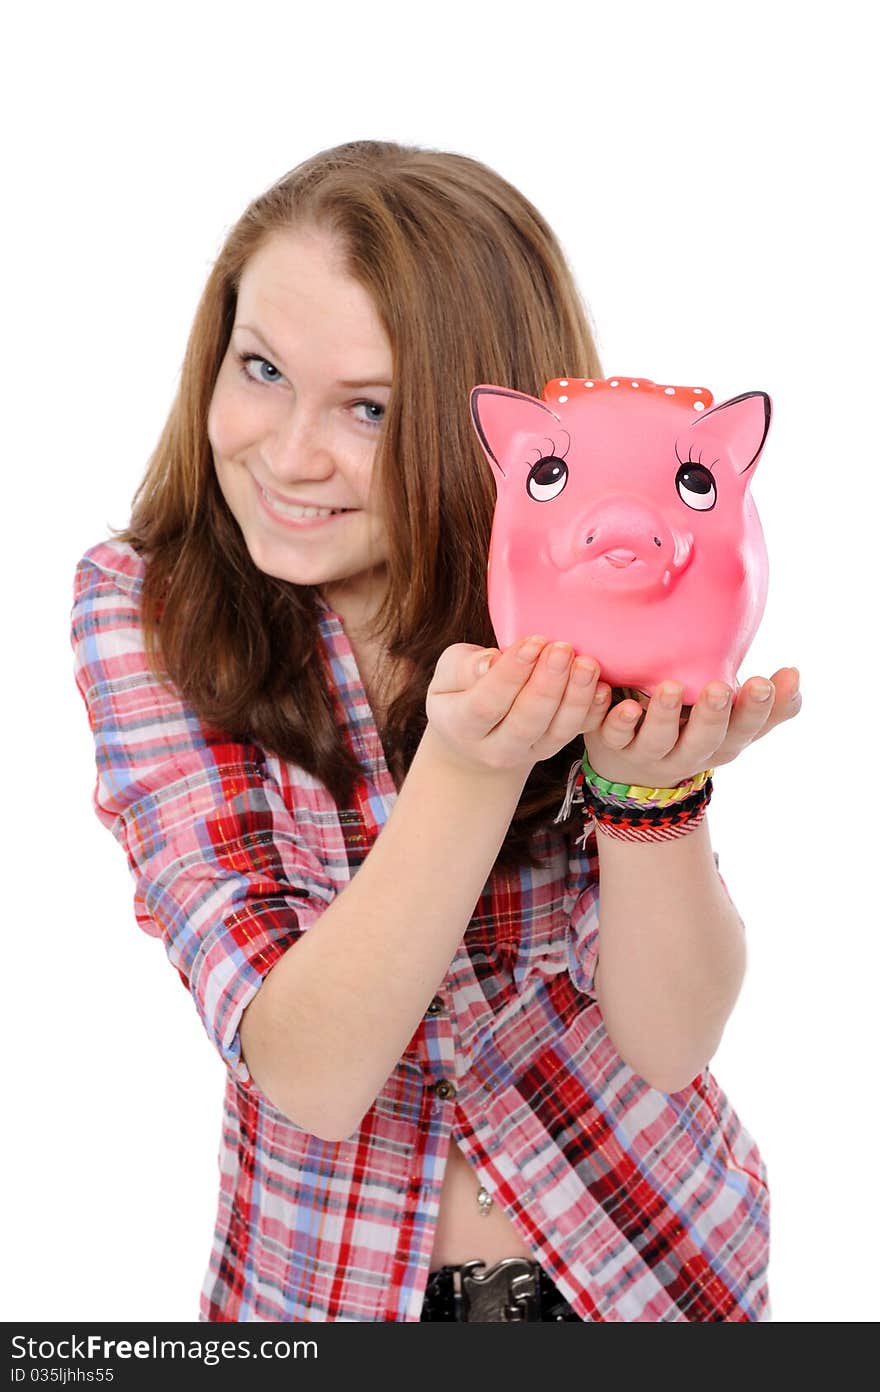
{"x": 740, "y": 424}
{"x": 500, "y": 415}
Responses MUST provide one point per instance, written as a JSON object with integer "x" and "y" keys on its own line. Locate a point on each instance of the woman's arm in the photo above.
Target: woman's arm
{"x": 335, "y": 1014}
{"x": 337, "y": 1011}
{"x": 671, "y": 944}
{"x": 672, "y": 954}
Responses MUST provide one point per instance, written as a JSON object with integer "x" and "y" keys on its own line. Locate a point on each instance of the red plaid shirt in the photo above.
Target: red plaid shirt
{"x": 641, "y": 1205}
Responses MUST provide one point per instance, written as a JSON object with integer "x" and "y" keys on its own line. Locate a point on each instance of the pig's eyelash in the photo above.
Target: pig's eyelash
{"x": 689, "y": 460}
{"x": 554, "y": 449}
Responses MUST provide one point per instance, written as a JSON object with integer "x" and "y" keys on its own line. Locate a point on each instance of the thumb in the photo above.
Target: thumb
{"x": 485, "y": 660}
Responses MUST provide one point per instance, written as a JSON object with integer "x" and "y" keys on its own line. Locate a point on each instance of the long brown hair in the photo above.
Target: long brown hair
{"x": 471, "y": 286}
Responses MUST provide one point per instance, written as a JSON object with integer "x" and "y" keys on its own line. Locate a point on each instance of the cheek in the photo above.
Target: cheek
{"x": 368, "y": 479}
{"x": 224, "y": 423}
{"x": 231, "y": 485}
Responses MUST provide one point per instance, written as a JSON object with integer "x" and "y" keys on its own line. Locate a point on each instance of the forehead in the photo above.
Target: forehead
{"x": 283, "y": 251}
{"x": 295, "y": 289}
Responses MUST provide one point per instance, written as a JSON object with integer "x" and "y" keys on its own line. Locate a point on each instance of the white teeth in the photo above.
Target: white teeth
{"x": 292, "y": 510}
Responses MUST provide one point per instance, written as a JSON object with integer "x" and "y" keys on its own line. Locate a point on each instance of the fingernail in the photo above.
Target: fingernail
{"x": 558, "y": 659}
{"x": 583, "y": 673}
{"x": 529, "y": 650}
{"x": 719, "y": 699}
{"x": 484, "y": 664}
{"x": 762, "y": 691}
{"x": 670, "y": 696}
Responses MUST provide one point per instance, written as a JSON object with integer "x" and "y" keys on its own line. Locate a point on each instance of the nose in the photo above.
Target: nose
{"x": 298, "y": 450}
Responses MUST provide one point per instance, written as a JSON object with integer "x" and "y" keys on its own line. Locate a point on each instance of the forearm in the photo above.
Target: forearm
{"x": 672, "y": 954}
{"x": 337, "y": 1011}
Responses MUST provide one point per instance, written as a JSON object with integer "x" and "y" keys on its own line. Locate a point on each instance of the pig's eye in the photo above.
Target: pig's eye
{"x": 696, "y": 487}
{"x": 547, "y": 478}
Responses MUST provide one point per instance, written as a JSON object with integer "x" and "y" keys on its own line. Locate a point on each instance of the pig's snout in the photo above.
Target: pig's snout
{"x": 620, "y": 532}
{"x": 625, "y": 539}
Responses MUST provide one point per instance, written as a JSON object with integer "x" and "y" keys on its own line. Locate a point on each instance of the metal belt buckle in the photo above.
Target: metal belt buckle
{"x": 507, "y": 1291}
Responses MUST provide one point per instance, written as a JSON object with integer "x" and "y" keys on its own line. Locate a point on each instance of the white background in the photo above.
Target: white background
{"x": 707, "y": 169}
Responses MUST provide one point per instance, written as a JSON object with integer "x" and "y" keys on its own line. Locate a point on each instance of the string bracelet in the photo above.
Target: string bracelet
{"x": 631, "y": 812}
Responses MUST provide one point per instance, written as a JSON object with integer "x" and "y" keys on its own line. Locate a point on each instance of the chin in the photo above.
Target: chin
{"x": 294, "y": 575}
{"x": 271, "y": 560}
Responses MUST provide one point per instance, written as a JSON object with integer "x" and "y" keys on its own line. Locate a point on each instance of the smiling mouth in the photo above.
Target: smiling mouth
{"x": 296, "y": 510}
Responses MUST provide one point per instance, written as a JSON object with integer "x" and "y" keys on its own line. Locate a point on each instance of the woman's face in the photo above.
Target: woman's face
{"x": 295, "y": 418}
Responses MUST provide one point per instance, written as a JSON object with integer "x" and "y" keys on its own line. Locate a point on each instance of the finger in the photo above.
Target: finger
{"x": 537, "y": 703}
{"x": 599, "y": 707}
{"x": 787, "y": 701}
{"x": 661, "y": 727}
{"x": 707, "y": 728}
{"x": 486, "y": 658}
{"x": 537, "y": 709}
{"x": 579, "y": 711}
{"x": 619, "y": 727}
{"x": 785, "y": 704}
{"x": 456, "y": 666}
{"x": 498, "y": 687}
{"x": 752, "y": 709}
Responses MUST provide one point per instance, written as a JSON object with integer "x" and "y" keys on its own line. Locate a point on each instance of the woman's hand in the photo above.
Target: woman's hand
{"x": 658, "y": 747}
{"x": 522, "y": 709}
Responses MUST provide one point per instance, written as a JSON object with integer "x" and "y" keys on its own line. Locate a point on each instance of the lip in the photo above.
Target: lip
{"x": 620, "y": 558}
{"x": 297, "y": 523}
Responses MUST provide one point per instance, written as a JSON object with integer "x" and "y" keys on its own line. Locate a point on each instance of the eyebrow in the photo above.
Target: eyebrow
{"x": 367, "y": 382}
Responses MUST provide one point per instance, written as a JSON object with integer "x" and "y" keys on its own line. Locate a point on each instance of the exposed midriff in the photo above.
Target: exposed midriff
{"x": 463, "y": 1232}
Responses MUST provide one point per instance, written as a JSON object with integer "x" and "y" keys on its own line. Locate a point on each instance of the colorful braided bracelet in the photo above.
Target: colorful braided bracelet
{"x": 631, "y": 812}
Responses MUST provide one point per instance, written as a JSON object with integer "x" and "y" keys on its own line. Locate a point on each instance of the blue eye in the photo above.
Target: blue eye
{"x": 245, "y": 358}
{"x": 373, "y": 406}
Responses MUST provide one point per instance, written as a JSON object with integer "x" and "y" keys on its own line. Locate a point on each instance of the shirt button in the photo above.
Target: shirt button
{"x": 436, "y": 1006}
{"x": 444, "y": 1088}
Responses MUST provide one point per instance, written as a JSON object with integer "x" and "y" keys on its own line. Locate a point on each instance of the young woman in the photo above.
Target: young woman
{"x": 338, "y": 799}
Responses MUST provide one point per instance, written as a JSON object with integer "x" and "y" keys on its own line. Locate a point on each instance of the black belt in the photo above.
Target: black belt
{"x": 513, "y": 1289}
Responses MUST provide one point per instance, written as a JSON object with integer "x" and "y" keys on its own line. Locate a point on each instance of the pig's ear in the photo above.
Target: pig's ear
{"x": 499, "y": 415}
{"x": 741, "y": 424}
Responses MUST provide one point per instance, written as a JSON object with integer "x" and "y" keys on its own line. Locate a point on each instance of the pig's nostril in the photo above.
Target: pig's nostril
{"x": 657, "y": 541}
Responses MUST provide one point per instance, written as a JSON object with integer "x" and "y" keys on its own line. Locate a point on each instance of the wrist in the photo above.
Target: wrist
{"x": 634, "y": 812}
{"x": 434, "y": 750}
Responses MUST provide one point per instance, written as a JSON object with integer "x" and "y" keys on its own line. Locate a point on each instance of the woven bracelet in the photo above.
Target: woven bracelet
{"x": 641, "y": 833}
{"x": 627, "y": 794}
{"x": 645, "y": 823}
{"x": 632, "y": 812}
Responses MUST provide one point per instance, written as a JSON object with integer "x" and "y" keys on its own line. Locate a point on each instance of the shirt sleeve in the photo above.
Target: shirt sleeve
{"x": 221, "y": 874}
{"x": 583, "y": 923}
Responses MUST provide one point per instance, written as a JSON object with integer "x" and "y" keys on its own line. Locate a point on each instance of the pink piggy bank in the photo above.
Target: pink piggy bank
{"x": 625, "y": 525}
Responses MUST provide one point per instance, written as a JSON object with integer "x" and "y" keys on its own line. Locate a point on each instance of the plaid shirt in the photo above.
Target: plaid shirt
{"x": 641, "y": 1205}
